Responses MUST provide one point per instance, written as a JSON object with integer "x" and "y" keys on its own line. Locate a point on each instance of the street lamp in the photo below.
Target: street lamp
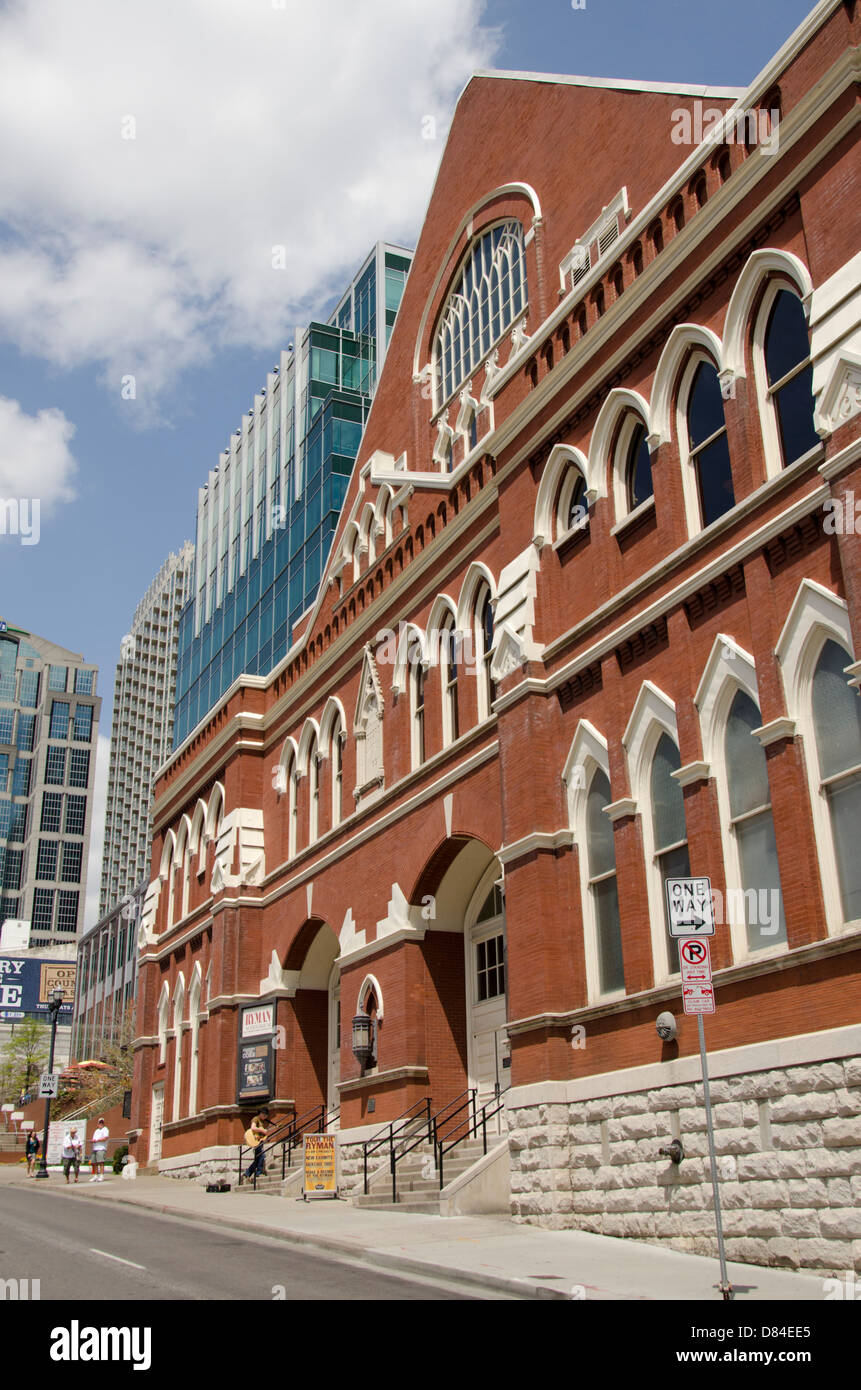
{"x": 54, "y": 1009}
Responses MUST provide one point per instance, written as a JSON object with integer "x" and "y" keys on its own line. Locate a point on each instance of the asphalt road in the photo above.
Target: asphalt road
{"x": 85, "y": 1250}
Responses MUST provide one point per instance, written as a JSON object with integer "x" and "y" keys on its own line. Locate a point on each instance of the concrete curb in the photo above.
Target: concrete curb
{"x": 378, "y": 1259}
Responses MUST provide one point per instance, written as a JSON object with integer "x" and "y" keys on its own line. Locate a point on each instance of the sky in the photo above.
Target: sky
{"x": 154, "y": 153}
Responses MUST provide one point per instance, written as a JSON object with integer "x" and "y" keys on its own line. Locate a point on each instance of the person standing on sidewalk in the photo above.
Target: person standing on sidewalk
{"x": 100, "y": 1147}
{"x": 31, "y": 1149}
{"x": 73, "y": 1149}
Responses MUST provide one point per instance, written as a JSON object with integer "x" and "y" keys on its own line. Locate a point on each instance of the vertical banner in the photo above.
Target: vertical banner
{"x": 320, "y": 1158}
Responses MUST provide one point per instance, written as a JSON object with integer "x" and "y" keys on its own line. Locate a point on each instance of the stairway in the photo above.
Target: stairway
{"x": 417, "y": 1193}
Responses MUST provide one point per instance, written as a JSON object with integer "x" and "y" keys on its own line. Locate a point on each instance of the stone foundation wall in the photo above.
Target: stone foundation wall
{"x": 204, "y": 1165}
{"x": 789, "y": 1159}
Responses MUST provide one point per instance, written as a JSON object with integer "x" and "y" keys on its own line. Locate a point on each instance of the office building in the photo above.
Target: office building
{"x": 142, "y": 731}
{"x": 268, "y": 511}
{"x": 49, "y": 720}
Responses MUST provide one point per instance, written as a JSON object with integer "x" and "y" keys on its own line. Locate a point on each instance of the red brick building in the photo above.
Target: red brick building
{"x": 590, "y": 620}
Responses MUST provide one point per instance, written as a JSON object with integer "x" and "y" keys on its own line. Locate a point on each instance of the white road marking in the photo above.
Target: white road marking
{"x": 118, "y": 1258}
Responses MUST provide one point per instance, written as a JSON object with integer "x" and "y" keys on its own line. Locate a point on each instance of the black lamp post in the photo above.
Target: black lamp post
{"x": 54, "y": 1010}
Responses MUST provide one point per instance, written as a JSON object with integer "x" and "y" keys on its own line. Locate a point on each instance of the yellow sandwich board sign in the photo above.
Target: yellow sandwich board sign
{"x": 320, "y": 1157}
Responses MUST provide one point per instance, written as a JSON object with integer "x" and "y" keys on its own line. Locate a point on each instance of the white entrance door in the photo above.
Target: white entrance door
{"x": 486, "y": 995}
{"x": 334, "y": 1038}
{"x": 156, "y": 1122}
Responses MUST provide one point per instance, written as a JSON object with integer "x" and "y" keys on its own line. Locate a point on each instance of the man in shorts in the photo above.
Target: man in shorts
{"x": 72, "y": 1149}
{"x": 100, "y": 1146}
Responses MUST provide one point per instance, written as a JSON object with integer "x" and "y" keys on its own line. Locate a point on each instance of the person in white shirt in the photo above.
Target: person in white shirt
{"x": 100, "y": 1145}
{"x": 72, "y": 1149}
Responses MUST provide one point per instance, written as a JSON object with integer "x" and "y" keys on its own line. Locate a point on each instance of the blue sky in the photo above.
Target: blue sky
{"x": 150, "y": 253}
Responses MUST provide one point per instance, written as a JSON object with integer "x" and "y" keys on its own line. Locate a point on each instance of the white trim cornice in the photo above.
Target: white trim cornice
{"x": 536, "y": 841}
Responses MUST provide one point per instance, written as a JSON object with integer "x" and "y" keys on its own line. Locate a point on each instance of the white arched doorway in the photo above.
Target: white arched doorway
{"x": 486, "y": 985}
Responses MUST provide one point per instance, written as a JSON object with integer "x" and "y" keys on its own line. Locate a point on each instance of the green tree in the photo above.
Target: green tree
{"x": 23, "y": 1057}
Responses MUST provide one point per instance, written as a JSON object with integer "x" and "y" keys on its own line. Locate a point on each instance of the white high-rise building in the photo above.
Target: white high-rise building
{"x": 142, "y": 732}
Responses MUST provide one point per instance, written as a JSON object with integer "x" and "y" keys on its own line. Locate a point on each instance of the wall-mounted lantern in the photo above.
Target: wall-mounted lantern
{"x": 364, "y": 1040}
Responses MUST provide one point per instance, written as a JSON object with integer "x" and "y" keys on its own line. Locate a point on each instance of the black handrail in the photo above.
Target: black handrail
{"x": 464, "y": 1101}
{"x": 419, "y": 1113}
{"x": 488, "y": 1111}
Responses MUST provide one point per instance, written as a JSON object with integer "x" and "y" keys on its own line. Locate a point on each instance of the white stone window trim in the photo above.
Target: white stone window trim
{"x": 562, "y": 459}
{"x": 654, "y": 714}
{"x": 728, "y": 670}
{"x": 633, "y": 410}
{"x": 287, "y": 781}
{"x": 163, "y": 1013}
{"x": 587, "y": 755}
{"x": 817, "y": 616}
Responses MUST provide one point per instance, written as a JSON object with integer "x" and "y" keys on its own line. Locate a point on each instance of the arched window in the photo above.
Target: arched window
{"x": 668, "y": 829}
{"x": 572, "y": 513}
{"x": 603, "y": 893}
{"x": 488, "y": 295}
{"x": 708, "y": 451}
{"x": 313, "y": 791}
{"x": 483, "y": 652}
{"x": 338, "y": 737}
{"x": 449, "y": 657}
{"x": 789, "y": 376}
{"x": 837, "y": 730}
{"x": 752, "y": 826}
{"x": 417, "y": 693}
{"x": 638, "y": 465}
{"x": 178, "y": 1010}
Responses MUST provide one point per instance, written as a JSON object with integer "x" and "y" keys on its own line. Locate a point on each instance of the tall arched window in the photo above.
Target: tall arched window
{"x": 668, "y": 828}
{"x": 603, "y": 893}
{"x": 837, "y": 730}
{"x": 752, "y": 826}
{"x": 573, "y": 509}
{"x": 313, "y": 791}
{"x": 708, "y": 451}
{"x": 338, "y": 736}
{"x": 483, "y": 652}
{"x": 789, "y": 375}
{"x": 637, "y": 464}
{"x": 449, "y": 656}
{"x": 417, "y": 684}
{"x": 488, "y": 295}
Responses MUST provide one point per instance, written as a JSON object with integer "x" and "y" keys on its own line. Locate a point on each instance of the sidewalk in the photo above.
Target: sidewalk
{"x": 480, "y": 1252}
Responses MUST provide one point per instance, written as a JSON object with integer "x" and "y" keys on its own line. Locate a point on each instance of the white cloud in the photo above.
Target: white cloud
{"x": 255, "y": 126}
{"x": 97, "y": 832}
{"x": 35, "y": 459}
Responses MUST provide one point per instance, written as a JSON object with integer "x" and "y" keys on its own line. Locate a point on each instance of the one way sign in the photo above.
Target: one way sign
{"x": 689, "y": 905}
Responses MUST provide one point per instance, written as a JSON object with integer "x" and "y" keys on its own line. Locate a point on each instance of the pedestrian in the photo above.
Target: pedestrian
{"x": 256, "y": 1135}
{"x": 100, "y": 1146}
{"x": 73, "y": 1149}
{"x": 31, "y": 1149}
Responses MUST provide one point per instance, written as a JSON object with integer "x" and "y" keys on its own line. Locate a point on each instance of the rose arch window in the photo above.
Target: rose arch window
{"x": 487, "y": 297}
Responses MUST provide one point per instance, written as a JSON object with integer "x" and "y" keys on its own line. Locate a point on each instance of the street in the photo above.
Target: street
{"x": 81, "y": 1252}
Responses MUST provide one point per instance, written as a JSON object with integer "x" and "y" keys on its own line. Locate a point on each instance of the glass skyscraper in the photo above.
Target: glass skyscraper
{"x": 266, "y": 516}
{"x": 49, "y": 724}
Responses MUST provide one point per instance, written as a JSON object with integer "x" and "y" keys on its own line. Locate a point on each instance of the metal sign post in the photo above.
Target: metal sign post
{"x": 725, "y": 1285}
{"x": 691, "y": 919}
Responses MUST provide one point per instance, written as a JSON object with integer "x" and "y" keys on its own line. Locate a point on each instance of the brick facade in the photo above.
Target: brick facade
{"x": 598, "y": 630}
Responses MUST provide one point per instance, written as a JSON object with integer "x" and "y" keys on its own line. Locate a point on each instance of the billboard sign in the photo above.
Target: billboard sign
{"x": 26, "y": 983}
